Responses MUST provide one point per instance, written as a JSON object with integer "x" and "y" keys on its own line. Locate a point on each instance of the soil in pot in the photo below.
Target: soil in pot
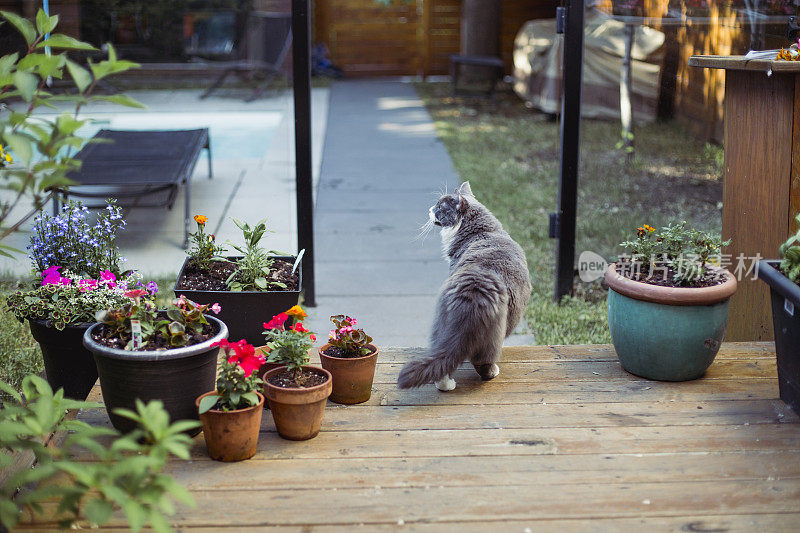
{"x": 68, "y": 364}
{"x": 298, "y": 410}
{"x": 233, "y": 435}
{"x": 664, "y": 276}
{"x": 213, "y": 279}
{"x": 352, "y": 373}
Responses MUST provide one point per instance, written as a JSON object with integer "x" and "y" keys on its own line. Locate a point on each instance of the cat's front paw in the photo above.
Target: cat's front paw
{"x": 446, "y": 384}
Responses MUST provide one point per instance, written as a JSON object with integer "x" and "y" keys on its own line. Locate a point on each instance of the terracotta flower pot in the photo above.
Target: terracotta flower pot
{"x": 298, "y": 412}
{"x": 266, "y": 367}
{"x": 232, "y": 435}
{"x": 666, "y": 333}
{"x": 352, "y": 376}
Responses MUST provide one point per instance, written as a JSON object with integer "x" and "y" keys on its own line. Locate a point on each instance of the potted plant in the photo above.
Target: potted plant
{"x": 231, "y": 414}
{"x": 297, "y": 393}
{"x": 249, "y": 286}
{"x": 168, "y": 355}
{"x": 76, "y": 269}
{"x": 783, "y": 278}
{"x": 668, "y": 302}
{"x": 350, "y": 357}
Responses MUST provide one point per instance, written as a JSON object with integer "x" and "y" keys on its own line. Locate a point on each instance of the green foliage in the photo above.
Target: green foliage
{"x": 125, "y": 474}
{"x": 790, "y": 256}
{"x": 254, "y": 269}
{"x": 43, "y": 149}
{"x": 353, "y": 342}
{"x": 688, "y": 252}
{"x": 183, "y": 318}
{"x": 238, "y": 381}
{"x": 203, "y": 249}
{"x": 64, "y": 304}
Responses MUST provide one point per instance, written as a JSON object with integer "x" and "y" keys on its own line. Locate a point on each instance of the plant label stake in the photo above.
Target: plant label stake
{"x": 136, "y": 333}
{"x": 299, "y": 258}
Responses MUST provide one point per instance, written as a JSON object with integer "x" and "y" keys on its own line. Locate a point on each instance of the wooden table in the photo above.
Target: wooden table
{"x": 761, "y": 189}
{"x": 563, "y": 439}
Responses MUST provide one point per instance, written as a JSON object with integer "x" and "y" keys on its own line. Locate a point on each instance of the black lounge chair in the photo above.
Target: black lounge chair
{"x": 140, "y": 164}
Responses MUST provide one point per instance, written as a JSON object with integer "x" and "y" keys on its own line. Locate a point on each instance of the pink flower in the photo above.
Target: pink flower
{"x": 352, "y": 321}
{"x": 333, "y": 334}
{"x": 216, "y": 308}
{"x": 108, "y": 278}
{"x": 65, "y": 281}
{"x": 50, "y": 276}
{"x": 277, "y": 321}
{"x": 346, "y": 329}
{"x": 136, "y": 293}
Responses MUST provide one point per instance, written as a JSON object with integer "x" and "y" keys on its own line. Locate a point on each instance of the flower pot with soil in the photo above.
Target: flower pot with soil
{"x": 249, "y": 286}
{"x": 668, "y": 303}
{"x": 231, "y": 414}
{"x": 60, "y": 305}
{"x": 168, "y": 355}
{"x": 783, "y": 278}
{"x": 297, "y": 393}
{"x": 350, "y": 357}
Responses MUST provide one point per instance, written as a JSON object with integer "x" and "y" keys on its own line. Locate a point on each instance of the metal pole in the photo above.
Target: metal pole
{"x": 563, "y": 225}
{"x": 301, "y": 59}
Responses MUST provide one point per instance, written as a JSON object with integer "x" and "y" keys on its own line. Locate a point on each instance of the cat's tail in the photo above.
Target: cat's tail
{"x": 469, "y": 308}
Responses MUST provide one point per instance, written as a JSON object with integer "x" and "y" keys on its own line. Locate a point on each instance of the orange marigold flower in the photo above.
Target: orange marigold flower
{"x": 200, "y": 219}
{"x": 651, "y": 229}
{"x": 297, "y": 312}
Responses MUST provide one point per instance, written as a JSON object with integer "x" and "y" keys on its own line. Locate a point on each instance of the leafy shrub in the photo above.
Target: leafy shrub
{"x": 203, "y": 250}
{"x": 353, "y": 342}
{"x": 790, "y": 256}
{"x": 126, "y": 475}
{"x": 254, "y": 269}
{"x": 289, "y": 346}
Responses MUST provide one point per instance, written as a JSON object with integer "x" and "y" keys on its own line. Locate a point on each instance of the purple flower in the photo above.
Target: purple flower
{"x": 152, "y": 286}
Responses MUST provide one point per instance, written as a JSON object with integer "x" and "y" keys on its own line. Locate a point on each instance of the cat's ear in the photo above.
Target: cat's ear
{"x": 465, "y": 189}
{"x": 462, "y": 203}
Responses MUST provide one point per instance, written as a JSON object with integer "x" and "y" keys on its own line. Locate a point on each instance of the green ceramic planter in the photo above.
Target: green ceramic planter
{"x": 663, "y": 333}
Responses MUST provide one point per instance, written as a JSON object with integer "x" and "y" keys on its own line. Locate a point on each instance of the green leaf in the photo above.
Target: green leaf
{"x": 65, "y": 42}
{"x": 21, "y": 147}
{"x": 135, "y": 514}
{"x": 80, "y": 75}
{"x": 44, "y": 23}
{"x": 98, "y": 511}
{"x": 158, "y": 522}
{"x": 7, "y": 62}
{"x": 261, "y": 283}
{"x": 207, "y": 403}
{"x": 9, "y": 513}
{"x": 8, "y": 389}
{"x": 121, "y": 99}
{"x": 251, "y": 398}
{"x": 26, "y": 83}
{"x": 23, "y": 26}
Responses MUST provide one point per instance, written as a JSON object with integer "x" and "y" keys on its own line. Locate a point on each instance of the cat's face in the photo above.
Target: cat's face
{"x": 447, "y": 211}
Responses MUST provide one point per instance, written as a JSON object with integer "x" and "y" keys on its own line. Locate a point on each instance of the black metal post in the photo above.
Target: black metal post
{"x": 570, "y": 147}
{"x": 301, "y": 59}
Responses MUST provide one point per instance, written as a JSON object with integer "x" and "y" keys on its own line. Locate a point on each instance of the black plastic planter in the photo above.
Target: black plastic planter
{"x": 67, "y": 363}
{"x": 176, "y": 377}
{"x": 786, "y": 321}
{"x": 245, "y": 312}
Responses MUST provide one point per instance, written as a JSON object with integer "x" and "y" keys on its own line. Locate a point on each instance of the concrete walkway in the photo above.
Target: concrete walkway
{"x": 382, "y": 168}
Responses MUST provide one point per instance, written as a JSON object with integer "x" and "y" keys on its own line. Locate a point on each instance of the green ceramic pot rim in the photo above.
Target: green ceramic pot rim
{"x": 670, "y": 295}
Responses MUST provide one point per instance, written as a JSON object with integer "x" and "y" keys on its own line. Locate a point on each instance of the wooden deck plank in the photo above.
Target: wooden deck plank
{"x": 563, "y": 439}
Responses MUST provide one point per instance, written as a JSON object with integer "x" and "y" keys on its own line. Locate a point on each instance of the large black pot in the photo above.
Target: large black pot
{"x": 176, "y": 377}
{"x": 785, "y": 297}
{"x": 67, "y": 363}
{"x": 245, "y": 312}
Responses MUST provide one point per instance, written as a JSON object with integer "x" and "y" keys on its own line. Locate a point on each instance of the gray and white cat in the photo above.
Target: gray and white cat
{"x": 482, "y": 300}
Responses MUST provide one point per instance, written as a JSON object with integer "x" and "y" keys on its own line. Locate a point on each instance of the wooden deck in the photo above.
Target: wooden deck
{"x": 563, "y": 439}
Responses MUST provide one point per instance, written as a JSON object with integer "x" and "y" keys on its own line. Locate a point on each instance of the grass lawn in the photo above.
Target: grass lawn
{"x": 509, "y": 154}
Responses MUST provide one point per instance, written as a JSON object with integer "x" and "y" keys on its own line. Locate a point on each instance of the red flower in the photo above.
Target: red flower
{"x": 299, "y": 328}
{"x": 136, "y": 293}
{"x": 277, "y": 321}
{"x": 223, "y": 343}
{"x": 245, "y": 356}
{"x": 313, "y": 338}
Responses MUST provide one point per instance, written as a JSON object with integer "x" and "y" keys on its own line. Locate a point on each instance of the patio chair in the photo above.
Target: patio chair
{"x": 139, "y": 164}
{"x": 264, "y": 48}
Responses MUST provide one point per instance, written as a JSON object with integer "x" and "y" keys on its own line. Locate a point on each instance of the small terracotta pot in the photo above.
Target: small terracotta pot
{"x": 352, "y": 376}
{"x": 298, "y": 412}
{"x": 232, "y": 435}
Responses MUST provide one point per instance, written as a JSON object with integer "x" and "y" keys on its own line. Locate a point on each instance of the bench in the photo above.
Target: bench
{"x": 139, "y": 164}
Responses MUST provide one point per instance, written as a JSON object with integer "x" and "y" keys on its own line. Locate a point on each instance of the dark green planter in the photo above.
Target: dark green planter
{"x": 663, "y": 333}
{"x": 67, "y": 364}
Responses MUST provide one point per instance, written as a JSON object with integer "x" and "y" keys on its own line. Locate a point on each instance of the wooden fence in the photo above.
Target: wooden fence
{"x": 408, "y": 38}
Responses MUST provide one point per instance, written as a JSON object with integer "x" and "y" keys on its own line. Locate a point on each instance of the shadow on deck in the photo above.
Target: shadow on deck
{"x": 562, "y": 439}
